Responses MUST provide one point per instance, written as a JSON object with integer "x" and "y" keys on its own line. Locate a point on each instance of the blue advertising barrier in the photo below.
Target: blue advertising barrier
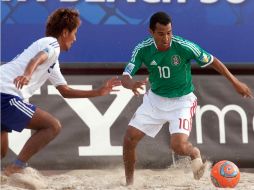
{"x": 111, "y": 29}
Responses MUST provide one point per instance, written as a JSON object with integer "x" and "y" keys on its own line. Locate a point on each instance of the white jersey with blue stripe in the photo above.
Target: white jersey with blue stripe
{"x": 50, "y": 69}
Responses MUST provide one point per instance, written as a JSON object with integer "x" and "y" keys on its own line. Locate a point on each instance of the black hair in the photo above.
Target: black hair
{"x": 159, "y": 17}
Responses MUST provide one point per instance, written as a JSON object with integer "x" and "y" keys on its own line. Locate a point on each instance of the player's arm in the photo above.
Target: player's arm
{"x": 38, "y": 59}
{"x": 130, "y": 70}
{"x": 105, "y": 89}
{"x": 129, "y": 83}
{"x": 239, "y": 86}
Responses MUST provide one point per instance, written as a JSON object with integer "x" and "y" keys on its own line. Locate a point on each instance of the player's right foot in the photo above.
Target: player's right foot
{"x": 199, "y": 173}
{"x": 198, "y": 168}
{"x": 11, "y": 169}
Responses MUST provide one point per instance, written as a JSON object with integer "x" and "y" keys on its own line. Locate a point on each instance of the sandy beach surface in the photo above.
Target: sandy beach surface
{"x": 172, "y": 178}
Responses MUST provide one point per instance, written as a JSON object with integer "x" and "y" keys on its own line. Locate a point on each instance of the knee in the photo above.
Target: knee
{"x": 56, "y": 127}
{"x": 130, "y": 140}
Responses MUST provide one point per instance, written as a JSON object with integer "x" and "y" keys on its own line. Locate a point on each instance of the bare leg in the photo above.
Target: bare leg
{"x": 131, "y": 139}
{"x": 181, "y": 146}
{"x": 47, "y": 128}
{"x": 4, "y": 143}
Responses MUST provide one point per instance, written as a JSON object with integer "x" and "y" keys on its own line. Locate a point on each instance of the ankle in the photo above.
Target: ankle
{"x": 20, "y": 163}
{"x": 195, "y": 153}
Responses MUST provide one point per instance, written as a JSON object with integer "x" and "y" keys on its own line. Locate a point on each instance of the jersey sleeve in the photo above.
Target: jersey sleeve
{"x": 51, "y": 47}
{"x": 56, "y": 78}
{"x": 202, "y": 57}
{"x": 135, "y": 63}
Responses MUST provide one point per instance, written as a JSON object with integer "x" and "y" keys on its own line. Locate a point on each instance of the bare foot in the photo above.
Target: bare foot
{"x": 11, "y": 169}
{"x": 198, "y": 168}
{"x": 3, "y": 179}
{"x": 28, "y": 179}
{"x": 129, "y": 182}
{"x": 199, "y": 173}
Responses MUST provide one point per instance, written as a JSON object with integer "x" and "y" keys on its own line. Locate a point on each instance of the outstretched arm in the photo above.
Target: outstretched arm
{"x": 129, "y": 83}
{"x": 239, "y": 86}
{"x": 105, "y": 89}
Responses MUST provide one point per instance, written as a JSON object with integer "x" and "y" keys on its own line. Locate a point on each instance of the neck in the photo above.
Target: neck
{"x": 163, "y": 49}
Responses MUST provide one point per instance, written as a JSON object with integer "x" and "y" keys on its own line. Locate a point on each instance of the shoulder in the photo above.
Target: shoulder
{"x": 50, "y": 41}
{"x": 184, "y": 44}
{"x": 145, "y": 43}
{"x": 49, "y": 45}
{"x": 181, "y": 41}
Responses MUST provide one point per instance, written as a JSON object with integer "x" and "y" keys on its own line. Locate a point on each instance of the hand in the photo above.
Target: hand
{"x": 109, "y": 85}
{"x": 243, "y": 89}
{"x": 20, "y": 81}
{"x": 139, "y": 85}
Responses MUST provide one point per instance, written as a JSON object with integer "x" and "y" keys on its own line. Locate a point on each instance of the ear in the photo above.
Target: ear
{"x": 65, "y": 33}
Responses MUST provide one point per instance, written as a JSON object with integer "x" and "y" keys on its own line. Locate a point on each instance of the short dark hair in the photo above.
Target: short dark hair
{"x": 60, "y": 19}
{"x": 159, "y": 17}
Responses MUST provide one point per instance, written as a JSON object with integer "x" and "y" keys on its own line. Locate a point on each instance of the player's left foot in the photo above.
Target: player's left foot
{"x": 129, "y": 180}
{"x": 30, "y": 178}
{"x": 3, "y": 179}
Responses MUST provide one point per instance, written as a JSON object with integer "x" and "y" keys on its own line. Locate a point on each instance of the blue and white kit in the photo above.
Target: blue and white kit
{"x": 15, "y": 112}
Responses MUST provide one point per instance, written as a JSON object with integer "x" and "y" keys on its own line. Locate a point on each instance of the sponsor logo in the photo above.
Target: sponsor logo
{"x": 94, "y": 120}
{"x": 153, "y": 63}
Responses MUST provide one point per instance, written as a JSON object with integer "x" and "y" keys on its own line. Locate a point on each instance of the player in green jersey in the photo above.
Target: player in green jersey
{"x": 170, "y": 99}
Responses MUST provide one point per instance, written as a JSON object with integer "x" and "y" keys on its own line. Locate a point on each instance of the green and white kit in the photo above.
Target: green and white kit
{"x": 171, "y": 97}
{"x": 170, "y": 70}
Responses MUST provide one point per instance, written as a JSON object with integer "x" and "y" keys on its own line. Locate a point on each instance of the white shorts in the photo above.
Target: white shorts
{"x": 155, "y": 111}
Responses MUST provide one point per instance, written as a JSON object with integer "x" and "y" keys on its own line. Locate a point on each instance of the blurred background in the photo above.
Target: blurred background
{"x": 94, "y": 128}
{"x": 110, "y": 31}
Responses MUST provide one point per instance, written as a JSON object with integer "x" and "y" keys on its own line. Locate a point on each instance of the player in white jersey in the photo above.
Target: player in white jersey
{"x": 26, "y": 73}
{"x": 48, "y": 70}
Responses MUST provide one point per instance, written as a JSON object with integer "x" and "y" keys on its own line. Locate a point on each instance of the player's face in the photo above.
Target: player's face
{"x": 67, "y": 39}
{"x": 162, "y": 36}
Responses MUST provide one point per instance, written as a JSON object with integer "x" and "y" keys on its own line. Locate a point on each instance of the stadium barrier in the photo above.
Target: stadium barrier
{"x": 93, "y": 129}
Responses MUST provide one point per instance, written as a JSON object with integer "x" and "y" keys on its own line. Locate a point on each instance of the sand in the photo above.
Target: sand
{"x": 177, "y": 177}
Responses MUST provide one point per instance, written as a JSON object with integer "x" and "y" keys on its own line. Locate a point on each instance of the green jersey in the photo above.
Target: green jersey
{"x": 170, "y": 70}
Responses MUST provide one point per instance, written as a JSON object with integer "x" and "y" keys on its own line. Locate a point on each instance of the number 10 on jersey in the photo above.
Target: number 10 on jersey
{"x": 164, "y": 72}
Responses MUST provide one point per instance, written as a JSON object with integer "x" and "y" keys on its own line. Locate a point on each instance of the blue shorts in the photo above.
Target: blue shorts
{"x": 15, "y": 113}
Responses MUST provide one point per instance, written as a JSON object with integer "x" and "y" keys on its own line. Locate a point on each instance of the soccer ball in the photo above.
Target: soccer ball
{"x": 225, "y": 174}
